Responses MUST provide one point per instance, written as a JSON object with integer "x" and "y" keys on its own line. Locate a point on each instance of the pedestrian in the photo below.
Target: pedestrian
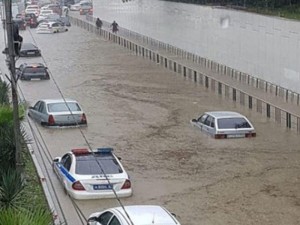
{"x": 115, "y": 27}
{"x": 98, "y": 23}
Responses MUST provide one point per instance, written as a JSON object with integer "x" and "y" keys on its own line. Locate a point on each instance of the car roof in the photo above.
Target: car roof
{"x": 147, "y": 214}
{"x": 58, "y": 100}
{"x": 224, "y": 114}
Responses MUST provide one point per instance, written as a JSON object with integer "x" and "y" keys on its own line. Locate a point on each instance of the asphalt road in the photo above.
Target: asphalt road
{"x": 143, "y": 111}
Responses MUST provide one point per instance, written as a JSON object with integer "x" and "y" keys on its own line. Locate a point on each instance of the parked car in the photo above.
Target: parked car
{"x": 29, "y": 50}
{"x": 138, "y": 214}
{"x": 33, "y": 9}
{"x": 87, "y": 174}
{"x": 58, "y": 113}
{"x": 62, "y": 20}
{"x": 31, "y": 20}
{"x": 87, "y": 10}
{"x": 224, "y": 124}
{"x": 81, "y": 4}
{"x": 51, "y": 27}
{"x": 28, "y": 71}
{"x": 44, "y": 13}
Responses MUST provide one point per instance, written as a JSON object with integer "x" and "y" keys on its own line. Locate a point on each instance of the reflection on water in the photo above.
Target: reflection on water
{"x": 265, "y": 47}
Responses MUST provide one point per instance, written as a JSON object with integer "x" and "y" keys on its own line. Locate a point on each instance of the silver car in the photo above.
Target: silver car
{"x": 224, "y": 124}
{"x": 58, "y": 112}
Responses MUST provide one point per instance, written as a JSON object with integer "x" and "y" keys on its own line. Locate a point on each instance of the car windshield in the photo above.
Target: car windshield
{"x": 62, "y": 107}
{"x": 87, "y": 164}
{"x": 34, "y": 70}
{"x": 233, "y": 123}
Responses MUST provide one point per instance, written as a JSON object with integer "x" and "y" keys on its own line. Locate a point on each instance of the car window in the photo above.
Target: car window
{"x": 208, "y": 120}
{"x": 66, "y": 161}
{"x": 62, "y": 107}
{"x": 202, "y": 118}
{"x": 233, "y": 123}
{"x": 104, "y": 218}
{"x": 37, "y": 105}
{"x": 211, "y": 121}
{"x": 55, "y": 25}
{"x": 42, "y": 107}
{"x": 34, "y": 70}
{"x": 114, "y": 221}
{"x": 88, "y": 165}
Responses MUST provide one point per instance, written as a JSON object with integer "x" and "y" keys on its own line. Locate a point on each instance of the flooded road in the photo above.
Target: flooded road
{"x": 262, "y": 46}
{"x": 143, "y": 111}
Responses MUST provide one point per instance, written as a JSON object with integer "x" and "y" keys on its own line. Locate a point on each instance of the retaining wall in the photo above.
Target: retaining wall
{"x": 289, "y": 119}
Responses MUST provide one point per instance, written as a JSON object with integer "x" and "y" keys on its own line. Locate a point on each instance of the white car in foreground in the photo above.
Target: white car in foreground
{"x": 224, "y": 124}
{"x": 135, "y": 214}
{"x": 51, "y": 27}
{"x": 93, "y": 174}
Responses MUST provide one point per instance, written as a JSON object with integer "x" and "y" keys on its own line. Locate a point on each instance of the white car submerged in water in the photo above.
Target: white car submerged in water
{"x": 51, "y": 27}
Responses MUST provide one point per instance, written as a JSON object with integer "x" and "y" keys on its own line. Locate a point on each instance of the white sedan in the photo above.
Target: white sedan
{"x": 51, "y": 27}
{"x": 135, "y": 214}
{"x": 95, "y": 174}
{"x": 224, "y": 124}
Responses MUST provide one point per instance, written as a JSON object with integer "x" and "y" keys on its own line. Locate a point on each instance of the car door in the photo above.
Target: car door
{"x": 210, "y": 125}
{"x": 55, "y": 27}
{"x": 42, "y": 116}
{"x": 64, "y": 168}
{"x": 200, "y": 121}
{"x": 33, "y": 112}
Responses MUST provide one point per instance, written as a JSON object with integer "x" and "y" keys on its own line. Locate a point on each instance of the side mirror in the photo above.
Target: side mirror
{"x": 119, "y": 158}
{"x": 194, "y": 120}
{"x": 173, "y": 214}
{"x": 56, "y": 159}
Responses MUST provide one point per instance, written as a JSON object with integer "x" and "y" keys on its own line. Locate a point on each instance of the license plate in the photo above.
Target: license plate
{"x": 102, "y": 187}
{"x": 235, "y": 135}
{"x": 30, "y": 53}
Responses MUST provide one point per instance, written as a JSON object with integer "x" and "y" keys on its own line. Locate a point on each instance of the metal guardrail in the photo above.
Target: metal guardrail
{"x": 131, "y": 40}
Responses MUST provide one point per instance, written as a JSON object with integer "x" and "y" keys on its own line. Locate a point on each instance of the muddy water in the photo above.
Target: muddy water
{"x": 143, "y": 111}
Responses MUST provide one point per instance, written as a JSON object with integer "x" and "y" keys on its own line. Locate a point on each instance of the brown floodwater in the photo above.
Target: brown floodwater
{"x": 143, "y": 111}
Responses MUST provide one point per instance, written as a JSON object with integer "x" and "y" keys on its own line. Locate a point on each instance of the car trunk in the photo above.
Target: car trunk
{"x": 66, "y": 118}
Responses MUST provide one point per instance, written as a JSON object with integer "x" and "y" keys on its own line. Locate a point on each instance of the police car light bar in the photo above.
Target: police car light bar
{"x": 104, "y": 150}
{"x": 80, "y": 151}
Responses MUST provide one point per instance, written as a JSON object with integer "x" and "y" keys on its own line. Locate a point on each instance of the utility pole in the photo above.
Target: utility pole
{"x": 12, "y": 68}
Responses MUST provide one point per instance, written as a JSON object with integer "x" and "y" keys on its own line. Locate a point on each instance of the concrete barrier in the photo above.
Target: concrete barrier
{"x": 265, "y": 108}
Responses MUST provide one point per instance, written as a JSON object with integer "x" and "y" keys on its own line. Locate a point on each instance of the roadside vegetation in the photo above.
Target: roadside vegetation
{"x": 22, "y": 199}
{"x": 283, "y": 8}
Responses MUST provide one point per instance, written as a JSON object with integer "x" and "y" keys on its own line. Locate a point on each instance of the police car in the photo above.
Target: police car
{"x": 87, "y": 174}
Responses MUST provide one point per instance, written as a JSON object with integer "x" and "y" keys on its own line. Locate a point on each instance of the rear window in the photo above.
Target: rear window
{"x": 87, "y": 165}
{"x": 34, "y": 70}
{"x": 233, "y": 123}
{"x": 62, "y": 107}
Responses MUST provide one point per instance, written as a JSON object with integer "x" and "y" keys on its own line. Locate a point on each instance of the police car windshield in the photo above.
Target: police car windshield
{"x": 87, "y": 164}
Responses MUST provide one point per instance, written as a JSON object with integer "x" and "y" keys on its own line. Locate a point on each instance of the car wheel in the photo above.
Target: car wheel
{"x": 44, "y": 123}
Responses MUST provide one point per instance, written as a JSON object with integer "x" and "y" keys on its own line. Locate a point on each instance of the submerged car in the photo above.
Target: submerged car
{"x": 58, "y": 113}
{"x": 94, "y": 174}
{"x": 224, "y": 124}
{"x": 51, "y": 27}
{"x": 134, "y": 214}
{"x": 28, "y": 71}
{"x": 29, "y": 50}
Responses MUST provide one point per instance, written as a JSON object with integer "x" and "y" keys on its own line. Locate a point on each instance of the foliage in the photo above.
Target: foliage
{"x": 11, "y": 186}
{"x": 11, "y": 216}
{"x": 4, "y": 99}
